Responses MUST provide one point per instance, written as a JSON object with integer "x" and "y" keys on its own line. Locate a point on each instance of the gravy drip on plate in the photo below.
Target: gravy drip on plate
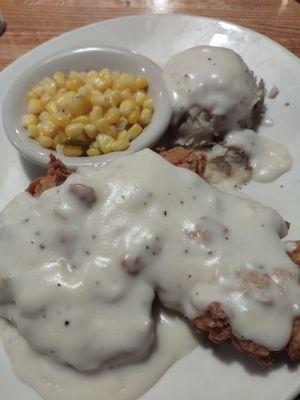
{"x": 81, "y": 264}
{"x": 268, "y": 158}
{"x": 58, "y": 382}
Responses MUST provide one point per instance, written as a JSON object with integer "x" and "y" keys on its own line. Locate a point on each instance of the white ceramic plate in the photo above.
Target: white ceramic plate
{"x": 209, "y": 373}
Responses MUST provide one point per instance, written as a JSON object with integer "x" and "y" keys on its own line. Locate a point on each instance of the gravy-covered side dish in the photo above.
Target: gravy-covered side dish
{"x": 97, "y": 246}
{"x": 217, "y": 101}
{"x": 213, "y": 91}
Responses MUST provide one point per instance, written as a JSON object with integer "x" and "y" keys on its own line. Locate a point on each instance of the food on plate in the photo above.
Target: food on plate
{"x": 273, "y": 93}
{"x": 88, "y": 113}
{"x": 268, "y": 159}
{"x": 213, "y": 91}
{"x": 100, "y": 244}
{"x": 122, "y": 263}
{"x": 227, "y": 166}
{"x": 217, "y": 323}
{"x": 216, "y": 99}
{"x": 186, "y": 158}
{"x": 57, "y": 173}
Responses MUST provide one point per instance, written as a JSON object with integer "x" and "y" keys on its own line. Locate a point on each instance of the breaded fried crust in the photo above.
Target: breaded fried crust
{"x": 186, "y": 158}
{"x": 57, "y": 173}
{"x": 216, "y": 323}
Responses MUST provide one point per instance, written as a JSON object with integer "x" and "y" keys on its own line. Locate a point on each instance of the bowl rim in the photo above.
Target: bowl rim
{"x": 41, "y": 158}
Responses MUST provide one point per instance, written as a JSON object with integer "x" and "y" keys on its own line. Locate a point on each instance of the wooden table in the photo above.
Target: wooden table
{"x": 31, "y": 22}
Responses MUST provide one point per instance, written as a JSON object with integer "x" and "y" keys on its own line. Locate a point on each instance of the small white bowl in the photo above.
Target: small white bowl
{"x": 84, "y": 59}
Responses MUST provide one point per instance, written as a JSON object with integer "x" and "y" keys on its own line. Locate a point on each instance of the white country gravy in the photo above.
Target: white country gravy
{"x": 58, "y": 382}
{"x": 268, "y": 158}
{"x": 80, "y": 265}
{"x": 213, "y": 79}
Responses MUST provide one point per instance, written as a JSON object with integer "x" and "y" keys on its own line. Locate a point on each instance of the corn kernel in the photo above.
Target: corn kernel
{"x": 32, "y": 131}
{"x": 102, "y": 83}
{"x": 83, "y": 119}
{"x": 95, "y": 92}
{"x": 145, "y": 117}
{"x": 60, "y": 91}
{"x": 122, "y": 124}
{"x": 73, "y": 130}
{"x": 35, "y": 106}
{"x": 74, "y": 83}
{"x": 126, "y": 94}
{"x": 115, "y": 98}
{"x": 45, "y": 141}
{"x": 76, "y": 105}
{"x": 85, "y": 90}
{"x": 72, "y": 151}
{"x": 31, "y": 95}
{"x": 113, "y": 131}
{"x": 119, "y": 145}
{"x": 141, "y": 82}
{"x": 61, "y": 99}
{"x": 49, "y": 86}
{"x": 96, "y": 113}
{"x": 106, "y": 148}
{"x": 48, "y": 128}
{"x": 45, "y": 98}
{"x": 134, "y": 131}
{"x": 45, "y": 116}
{"x": 126, "y": 107}
{"x": 38, "y": 90}
{"x": 93, "y": 152}
{"x": 51, "y": 107}
{"x": 148, "y": 104}
{"x": 104, "y": 142}
{"x": 123, "y": 135}
{"x": 94, "y": 145}
{"x": 61, "y": 119}
{"x": 113, "y": 115}
{"x": 108, "y": 93}
{"x": 59, "y": 78}
{"x": 91, "y": 131}
{"x": 100, "y": 100}
{"x": 115, "y": 75}
{"x": 125, "y": 81}
{"x": 129, "y": 80}
{"x": 29, "y": 119}
{"x": 74, "y": 74}
{"x": 133, "y": 117}
{"x": 140, "y": 97}
{"x": 102, "y": 125}
{"x": 92, "y": 75}
{"x": 118, "y": 85}
{"x": 104, "y": 73}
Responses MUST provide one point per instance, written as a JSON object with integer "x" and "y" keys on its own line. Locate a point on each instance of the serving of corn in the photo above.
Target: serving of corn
{"x": 88, "y": 113}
